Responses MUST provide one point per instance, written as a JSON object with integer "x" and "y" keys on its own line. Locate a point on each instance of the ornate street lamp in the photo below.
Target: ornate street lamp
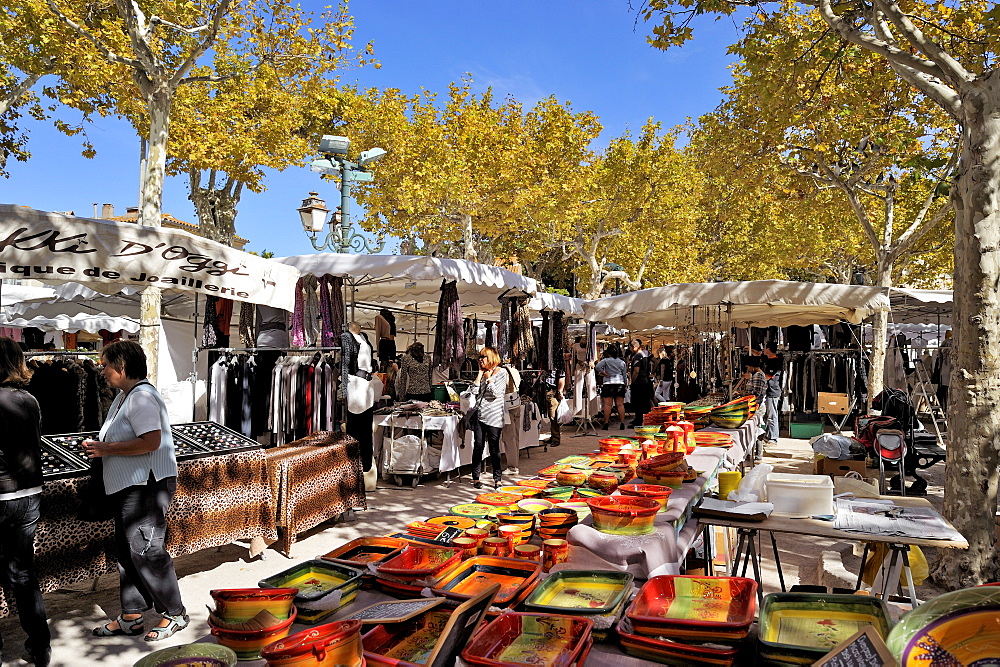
{"x": 313, "y": 211}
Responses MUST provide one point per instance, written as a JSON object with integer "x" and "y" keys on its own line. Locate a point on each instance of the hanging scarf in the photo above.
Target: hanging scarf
{"x": 208, "y": 335}
{"x": 248, "y": 336}
{"x": 331, "y": 310}
{"x": 490, "y": 342}
{"x": 298, "y": 328}
{"x": 449, "y": 343}
{"x": 311, "y": 317}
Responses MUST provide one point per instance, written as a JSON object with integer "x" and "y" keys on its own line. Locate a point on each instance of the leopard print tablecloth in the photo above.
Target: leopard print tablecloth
{"x": 219, "y": 500}
{"x": 313, "y": 480}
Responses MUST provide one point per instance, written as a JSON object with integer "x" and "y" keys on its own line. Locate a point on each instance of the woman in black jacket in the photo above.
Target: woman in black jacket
{"x": 20, "y": 497}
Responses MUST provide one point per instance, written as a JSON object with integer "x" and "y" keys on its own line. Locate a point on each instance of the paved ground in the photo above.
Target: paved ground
{"x": 74, "y": 611}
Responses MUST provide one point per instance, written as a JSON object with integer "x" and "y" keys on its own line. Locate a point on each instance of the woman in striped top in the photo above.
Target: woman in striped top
{"x": 140, "y": 478}
{"x": 490, "y": 387}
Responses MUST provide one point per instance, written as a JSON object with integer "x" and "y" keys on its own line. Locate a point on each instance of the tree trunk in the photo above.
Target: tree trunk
{"x": 215, "y": 207}
{"x": 151, "y": 216}
{"x": 880, "y": 332}
{"x": 974, "y": 394}
{"x": 468, "y": 239}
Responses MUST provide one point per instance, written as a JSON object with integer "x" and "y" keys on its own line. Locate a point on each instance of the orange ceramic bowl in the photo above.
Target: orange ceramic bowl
{"x": 235, "y": 605}
{"x": 336, "y": 643}
{"x": 662, "y": 463}
{"x": 623, "y": 515}
{"x": 660, "y": 494}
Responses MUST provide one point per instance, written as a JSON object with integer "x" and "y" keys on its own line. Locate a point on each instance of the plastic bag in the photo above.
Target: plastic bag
{"x": 563, "y": 414}
{"x": 751, "y": 488}
{"x": 878, "y": 553}
{"x": 832, "y": 446}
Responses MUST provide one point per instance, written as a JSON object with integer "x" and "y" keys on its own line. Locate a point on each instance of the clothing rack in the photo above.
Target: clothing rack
{"x": 266, "y": 349}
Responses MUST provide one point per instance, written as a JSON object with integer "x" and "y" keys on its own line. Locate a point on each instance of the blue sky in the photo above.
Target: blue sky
{"x": 589, "y": 52}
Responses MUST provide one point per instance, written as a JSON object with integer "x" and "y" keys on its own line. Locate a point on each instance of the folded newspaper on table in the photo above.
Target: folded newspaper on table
{"x": 885, "y": 518}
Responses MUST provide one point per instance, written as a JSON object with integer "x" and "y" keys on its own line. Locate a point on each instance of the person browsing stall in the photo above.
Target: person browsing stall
{"x": 140, "y": 478}
{"x": 490, "y": 389}
{"x": 413, "y": 382}
{"x": 20, "y": 498}
{"x": 615, "y": 375}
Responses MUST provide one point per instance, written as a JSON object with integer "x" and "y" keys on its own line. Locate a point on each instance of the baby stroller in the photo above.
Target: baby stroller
{"x": 899, "y": 421}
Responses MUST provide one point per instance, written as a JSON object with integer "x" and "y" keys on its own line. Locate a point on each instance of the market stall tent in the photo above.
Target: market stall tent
{"x": 920, "y": 306}
{"x": 414, "y": 282}
{"x": 749, "y": 303}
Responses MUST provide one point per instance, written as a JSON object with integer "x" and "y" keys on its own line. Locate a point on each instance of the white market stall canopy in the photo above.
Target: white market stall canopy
{"x": 551, "y": 301}
{"x": 414, "y": 282}
{"x": 122, "y": 306}
{"x": 921, "y": 306}
{"x": 108, "y": 255}
{"x": 749, "y": 303}
{"x": 11, "y": 295}
{"x": 80, "y": 322}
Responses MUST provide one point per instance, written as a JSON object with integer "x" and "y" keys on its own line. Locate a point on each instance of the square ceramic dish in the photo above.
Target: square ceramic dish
{"x": 407, "y": 643}
{"x": 531, "y": 639}
{"x": 803, "y": 627}
{"x": 419, "y": 562}
{"x": 319, "y": 583}
{"x": 695, "y": 607}
{"x": 580, "y": 592}
{"x": 363, "y": 550}
{"x": 661, "y": 649}
{"x": 478, "y": 573}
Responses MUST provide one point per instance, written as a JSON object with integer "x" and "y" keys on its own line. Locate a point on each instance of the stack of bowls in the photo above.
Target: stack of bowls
{"x": 235, "y": 607}
{"x": 612, "y": 445}
{"x": 532, "y": 505}
{"x": 660, "y": 494}
{"x": 666, "y": 469}
{"x": 553, "y": 524}
{"x": 524, "y": 521}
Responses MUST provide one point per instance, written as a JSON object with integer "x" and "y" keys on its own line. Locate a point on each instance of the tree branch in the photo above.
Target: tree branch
{"x": 206, "y": 42}
{"x": 954, "y": 73}
{"x": 156, "y": 20}
{"x": 19, "y": 89}
{"x": 107, "y": 53}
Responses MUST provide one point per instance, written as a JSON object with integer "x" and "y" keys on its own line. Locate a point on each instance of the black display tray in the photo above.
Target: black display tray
{"x": 68, "y": 444}
{"x": 214, "y": 437}
{"x": 57, "y": 464}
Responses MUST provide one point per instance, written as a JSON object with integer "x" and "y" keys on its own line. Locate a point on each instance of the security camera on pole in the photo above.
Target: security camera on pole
{"x": 313, "y": 212}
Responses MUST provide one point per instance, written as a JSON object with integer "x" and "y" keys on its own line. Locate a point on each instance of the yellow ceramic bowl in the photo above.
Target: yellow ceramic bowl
{"x": 235, "y": 605}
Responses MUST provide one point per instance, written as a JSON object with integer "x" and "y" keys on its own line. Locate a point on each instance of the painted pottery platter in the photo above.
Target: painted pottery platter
{"x": 472, "y": 510}
{"x": 497, "y": 499}
{"x": 580, "y": 592}
{"x": 962, "y": 625}
{"x": 462, "y": 522}
{"x": 531, "y": 639}
{"x": 479, "y": 573}
{"x": 813, "y": 623}
{"x": 710, "y": 603}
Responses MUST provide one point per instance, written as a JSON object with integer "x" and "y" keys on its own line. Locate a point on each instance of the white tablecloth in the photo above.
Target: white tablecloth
{"x": 452, "y": 453}
{"x": 662, "y": 551}
{"x": 743, "y": 437}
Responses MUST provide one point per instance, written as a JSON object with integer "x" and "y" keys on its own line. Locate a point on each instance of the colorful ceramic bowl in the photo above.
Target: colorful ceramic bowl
{"x": 643, "y": 431}
{"x": 673, "y": 479}
{"x": 580, "y": 592}
{"x": 613, "y": 445}
{"x": 962, "y": 625}
{"x": 247, "y": 644}
{"x": 662, "y": 463}
{"x": 235, "y": 605}
{"x": 556, "y": 516}
{"x": 602, "y": 481}
{"x": 535, "y": 483}
{"x": 624, "y": 515}
{"x": 571, "y": 476}
{"x": 534, "y": 505}
{"x": 660, "y": 494}
{"x": 560, "y": 492}
{"x": 497, "y": 499}
{"x": 327, "y": 645}
{"x": 523, "y": 520}
{"x": 201, "y": 654}
{"x": 583, "y": 493}
{"x": 419, "y": 562}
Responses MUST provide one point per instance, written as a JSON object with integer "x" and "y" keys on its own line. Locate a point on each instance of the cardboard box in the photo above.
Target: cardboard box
{"x": 834, "y": 404}
{"x": 837, "y": 468}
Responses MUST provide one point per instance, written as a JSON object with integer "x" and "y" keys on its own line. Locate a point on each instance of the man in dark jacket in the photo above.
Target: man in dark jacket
{"x": 20, "y": 496}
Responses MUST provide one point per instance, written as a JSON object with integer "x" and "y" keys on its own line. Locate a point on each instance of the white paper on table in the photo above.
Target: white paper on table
{"x": 870, "y": 517}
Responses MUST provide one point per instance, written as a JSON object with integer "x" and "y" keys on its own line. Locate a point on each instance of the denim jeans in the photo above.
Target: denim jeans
{"x": 771, "y": 426}
{"x": 18, "y": 520}
{"x": 552, "y": 398}
{"x": 486, "y": 435}
{"x": 145, "y": 570}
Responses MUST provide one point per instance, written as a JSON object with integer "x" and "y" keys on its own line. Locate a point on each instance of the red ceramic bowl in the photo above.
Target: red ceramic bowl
{"x": 418, "y": 562}
{"x": 673, "y": 479}
{"x": 336, "y": 643}
{"x": 623, "y": 515}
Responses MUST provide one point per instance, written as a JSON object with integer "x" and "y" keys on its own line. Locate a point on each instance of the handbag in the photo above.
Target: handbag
{"x": 94, "y": 504}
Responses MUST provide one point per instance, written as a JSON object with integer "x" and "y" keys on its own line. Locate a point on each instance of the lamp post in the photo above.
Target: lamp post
{"x": 313, "y": 212}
